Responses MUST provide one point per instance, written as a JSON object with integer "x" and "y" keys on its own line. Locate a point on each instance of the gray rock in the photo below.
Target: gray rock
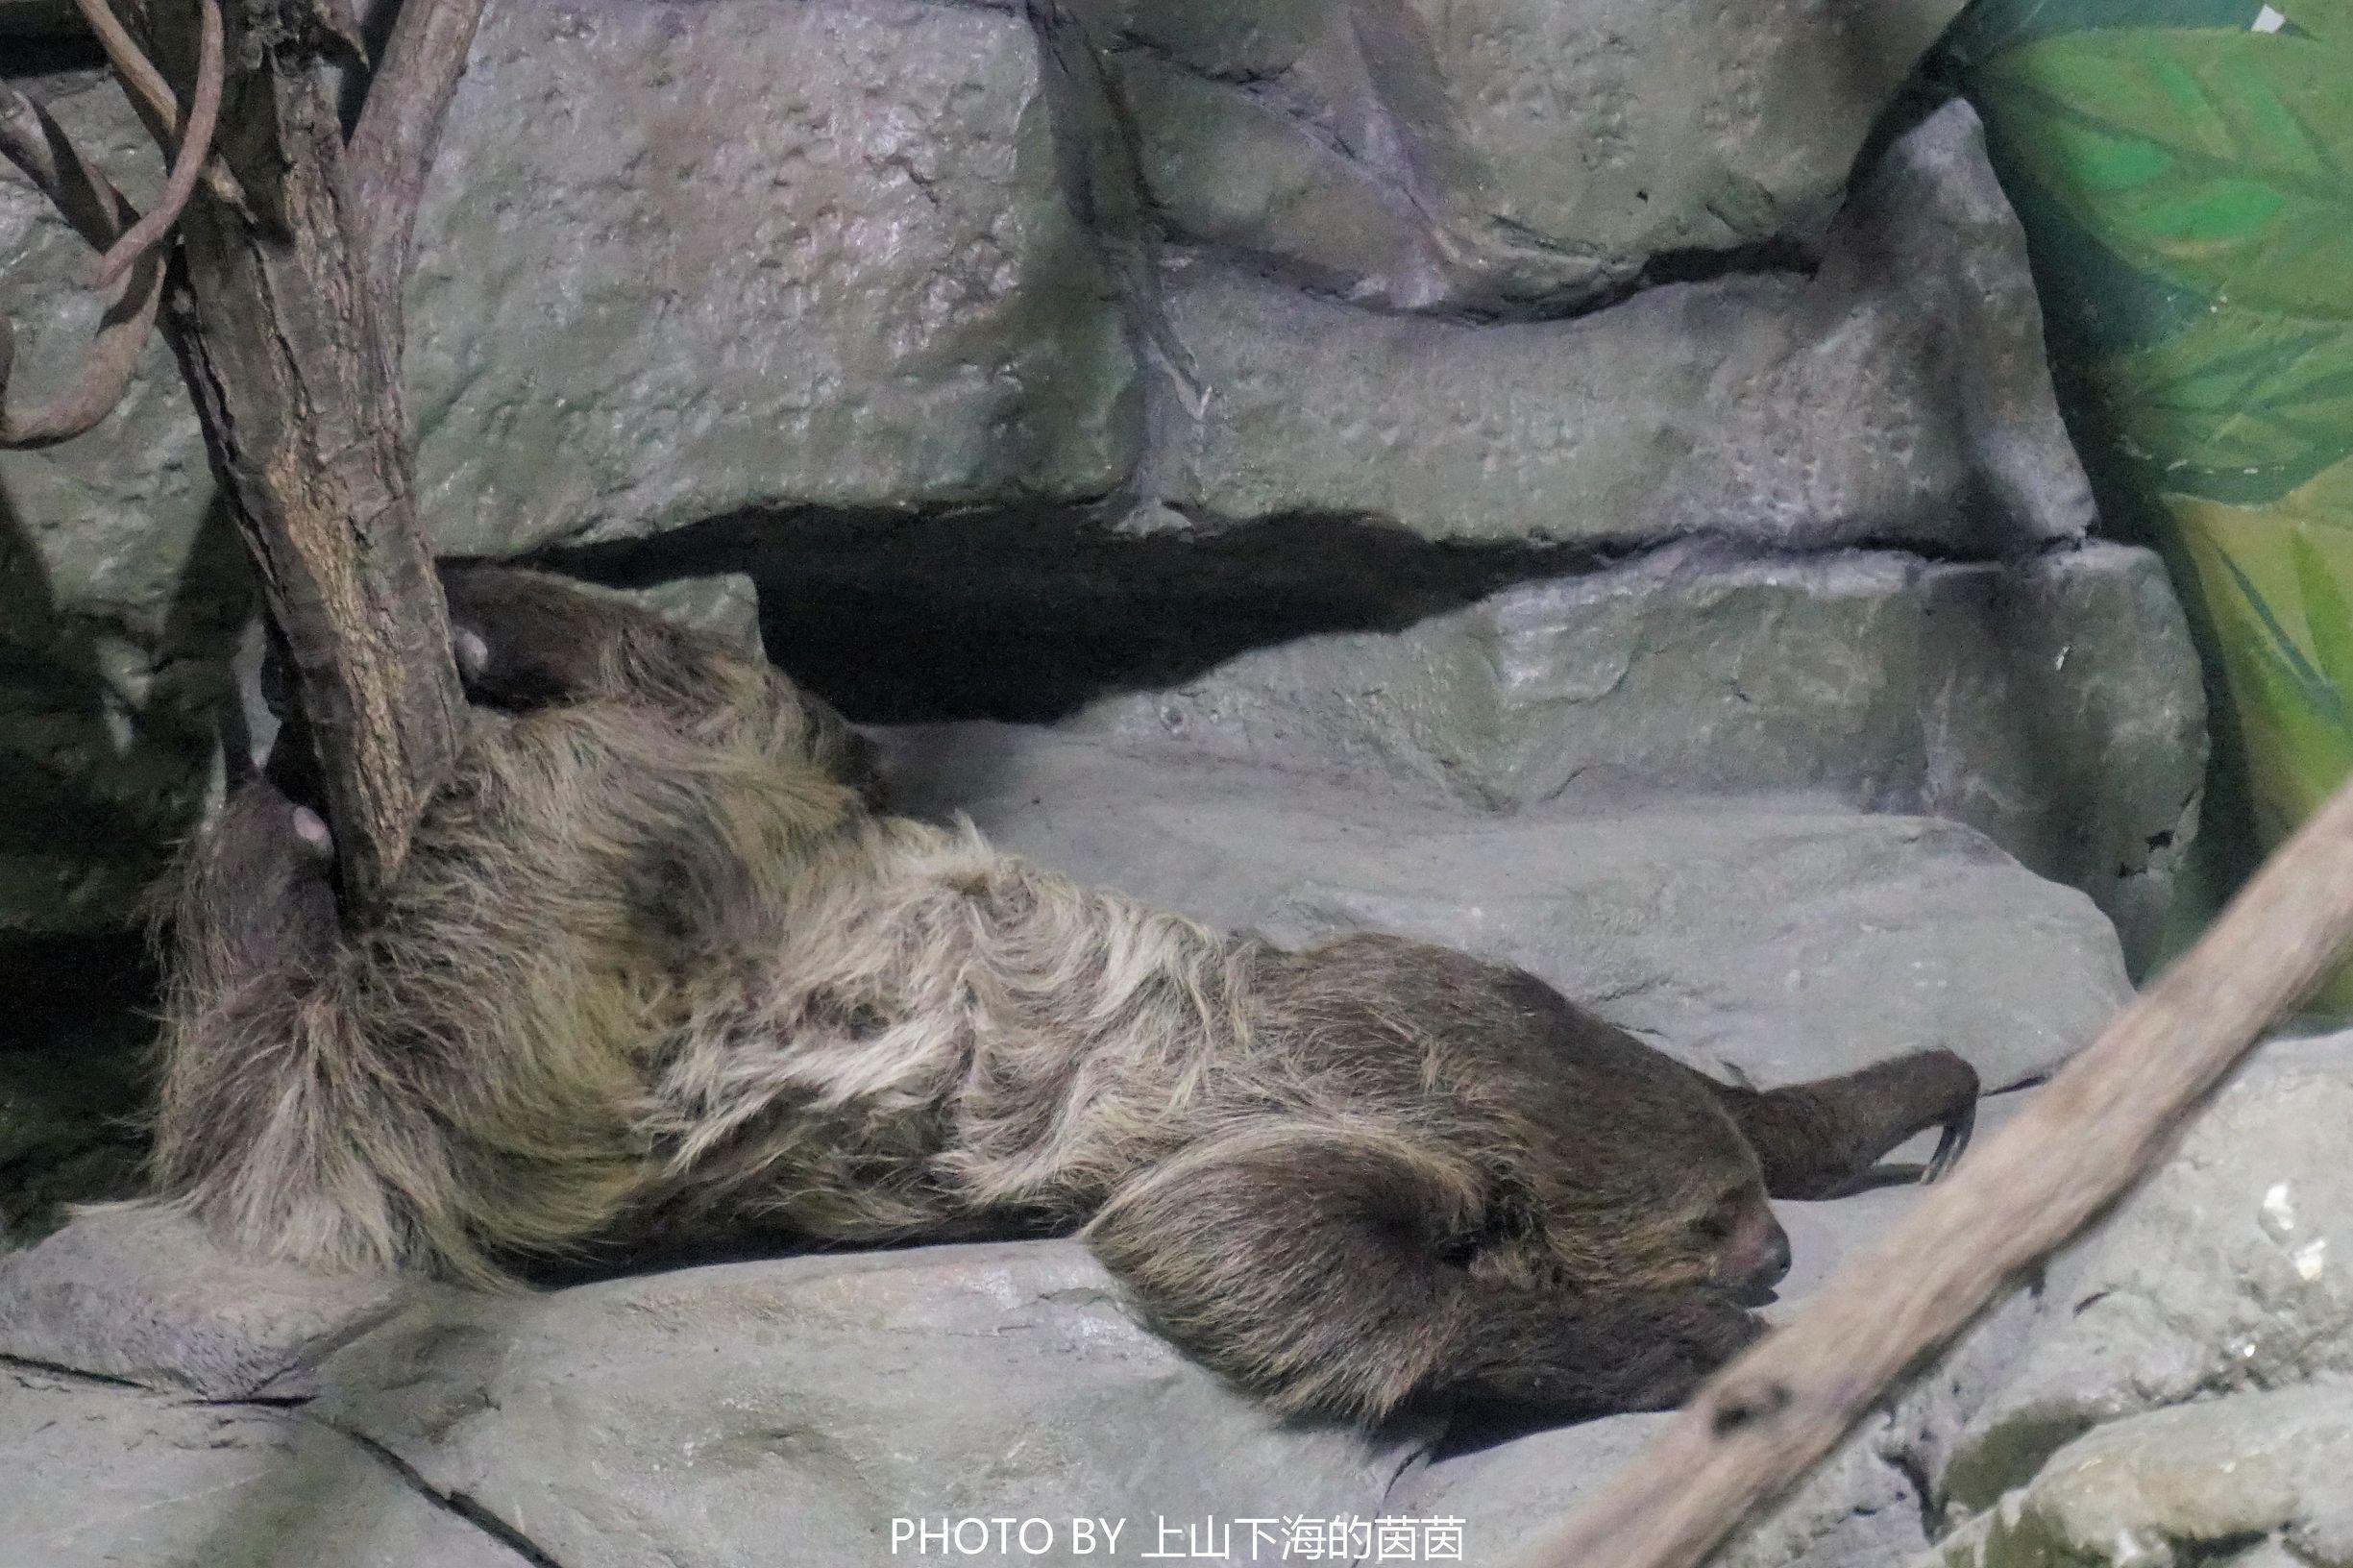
{"x": 2223, "y": 1272}
{"x": 1414, "y": 153}
{"x": 137, "y": 1293}
{"x": 1776, "y": 940}
{"x": 1898, "y": 395}
{"x": 96, "y": 1477}
{"x": 2054, "y": 704}
{"x": 2180, "y": 1485}
{"x": 707, "y": 1415}
{"x": 680, "y": 260}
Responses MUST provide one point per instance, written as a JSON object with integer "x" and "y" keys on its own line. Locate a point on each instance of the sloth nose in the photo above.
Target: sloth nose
{"x": 1775, "y": 1266}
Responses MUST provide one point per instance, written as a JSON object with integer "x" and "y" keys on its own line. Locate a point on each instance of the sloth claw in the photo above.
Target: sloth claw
{"x": 311, "y": 832}
{"x": 471, "y": 652}
{"x": 1951, "y": 1148}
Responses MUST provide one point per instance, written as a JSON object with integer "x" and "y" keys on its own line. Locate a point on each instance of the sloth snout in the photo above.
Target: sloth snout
{"x": 1757, "y": 1258}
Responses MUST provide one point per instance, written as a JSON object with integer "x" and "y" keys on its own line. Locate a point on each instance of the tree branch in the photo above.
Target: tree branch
{"x": 392, "y": 146}
{"x": 1762, "y": 1422}
{"x": 195, "y": 146}
{"x": 39, "y": 146}
{"x": 36, "y": 143}
{"x": 303, "y": 418}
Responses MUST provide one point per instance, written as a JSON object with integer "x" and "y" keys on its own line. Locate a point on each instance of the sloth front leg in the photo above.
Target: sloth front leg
{"x": 1821, "y": 1138}
{"x": 250, "y": 911}
{"x": 526, "y": 640}
{"x": 1319, "y": 1267}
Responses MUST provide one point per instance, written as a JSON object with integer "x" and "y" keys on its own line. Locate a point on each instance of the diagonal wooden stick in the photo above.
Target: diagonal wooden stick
{"x": 1762, "y": 1422}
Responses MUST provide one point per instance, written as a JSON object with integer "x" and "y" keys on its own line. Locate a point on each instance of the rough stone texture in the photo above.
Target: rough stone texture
{"x": 2054, "y": 703}
{"x": 1898, "y": 395}
{"x": 880, "y": 311}
{"x": 1418, "y": 153}
{"x": 679, "y": 260}
{"x": 2179, "y": 1484}
{"x": 680, "y": 1418}
{"x": 2226, "y": 1271}
{"x": 140, "y": 1294}
{"x": 726, "y": 606}
{"x": 676, "y": 260}
{"x": 1780, "y": 942}
{"x": 99, "y": 1477}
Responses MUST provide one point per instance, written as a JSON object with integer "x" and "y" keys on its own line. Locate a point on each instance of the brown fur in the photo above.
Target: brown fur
{"x": 657, "y": 966}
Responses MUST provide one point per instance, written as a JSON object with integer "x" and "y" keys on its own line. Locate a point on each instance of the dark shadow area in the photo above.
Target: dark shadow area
{"x": 1025, "y": 618}
{"x": 100, "y": 783}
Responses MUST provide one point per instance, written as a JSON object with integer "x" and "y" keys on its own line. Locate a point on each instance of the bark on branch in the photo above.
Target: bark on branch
{"x": 1762, "y": 1422}
{"x": 392, "y": 146}
{"x": 301, "y": 404}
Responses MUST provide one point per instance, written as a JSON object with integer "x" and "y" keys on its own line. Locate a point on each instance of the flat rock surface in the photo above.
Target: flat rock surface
{"x": 1780, "y": 942}
{"x": 100, "y": 1477}
{"x": 138, "y": 1294}
{"x": 2054, "y": 703}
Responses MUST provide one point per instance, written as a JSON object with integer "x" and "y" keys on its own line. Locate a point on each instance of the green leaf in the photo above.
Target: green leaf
{"x": 2219, "y": 159}
{"x": 2272, "y": 638}
{"x": 2258, "y": 405}
{"x": 2327, "y": 617}
{"x": 1990, "y": 27}
{"x": 2331, "y": 22}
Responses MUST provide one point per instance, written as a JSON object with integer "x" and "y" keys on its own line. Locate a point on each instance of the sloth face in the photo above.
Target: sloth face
{"x": 1751, "y": 1250}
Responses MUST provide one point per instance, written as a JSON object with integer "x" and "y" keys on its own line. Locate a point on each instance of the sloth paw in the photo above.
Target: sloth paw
{"x": 314, "y": 839}
{"x": 1959, "y": 1119}
{"x": 1952, "y": 1145}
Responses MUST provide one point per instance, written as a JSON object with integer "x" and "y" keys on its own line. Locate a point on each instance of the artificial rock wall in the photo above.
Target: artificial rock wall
{"x": 1558, "y": 374}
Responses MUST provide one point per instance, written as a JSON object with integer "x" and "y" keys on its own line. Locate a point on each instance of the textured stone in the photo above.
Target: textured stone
{"x": 100, "y": 1477}
{"x": 1899, "y": 395}
{"x": 678, "y": 261}
{"x": 701, "y": 1416}
{"x": 1418, "y": 153}
{"x": 2054, "y": 703}
{"x": 1780, "y": 943}
{"x": 2225, "y": 1271}
{"x": 2178, "y": 1485}
{"x": 140, "y": 1294}
{"x": 718, "y": 1415}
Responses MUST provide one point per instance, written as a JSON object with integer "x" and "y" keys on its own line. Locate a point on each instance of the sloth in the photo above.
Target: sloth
{"x": 658, "y": 966}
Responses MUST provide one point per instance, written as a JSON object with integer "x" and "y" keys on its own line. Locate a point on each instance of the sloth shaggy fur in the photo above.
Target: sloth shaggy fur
{"x": 657, "y": 966}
